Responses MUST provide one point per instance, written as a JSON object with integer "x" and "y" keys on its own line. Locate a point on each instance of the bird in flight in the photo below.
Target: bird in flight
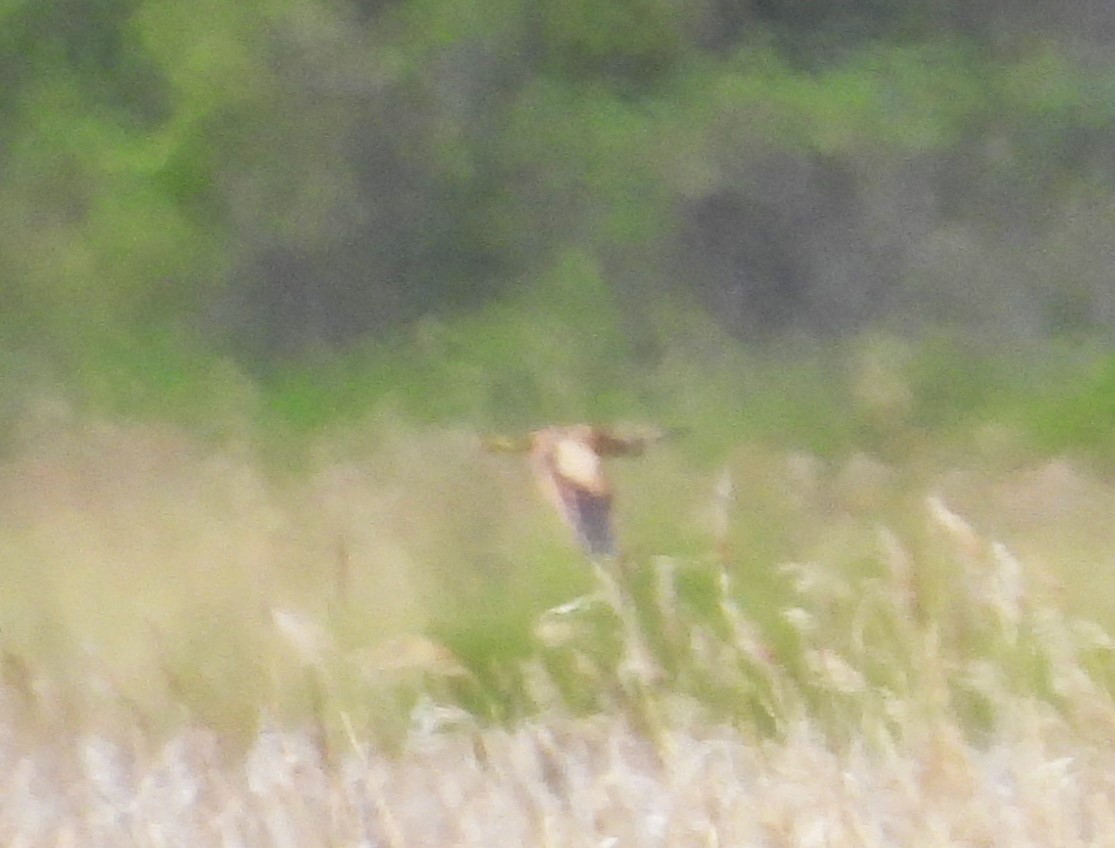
{"x": 568, "y": 463}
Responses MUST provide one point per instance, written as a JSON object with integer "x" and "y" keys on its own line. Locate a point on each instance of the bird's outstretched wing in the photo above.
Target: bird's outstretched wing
{"x": 505, "y": 444}
{"x": 630, "y": 441}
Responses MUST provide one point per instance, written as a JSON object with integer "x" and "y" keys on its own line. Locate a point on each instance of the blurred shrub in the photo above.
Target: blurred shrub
{"x": 301, "y": 179}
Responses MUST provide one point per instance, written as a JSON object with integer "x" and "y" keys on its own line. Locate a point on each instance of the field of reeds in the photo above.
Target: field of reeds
{"x": 898, "y": 639}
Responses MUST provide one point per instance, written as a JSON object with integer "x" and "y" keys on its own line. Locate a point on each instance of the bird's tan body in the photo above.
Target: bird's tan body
{"x": 577, "y": 463}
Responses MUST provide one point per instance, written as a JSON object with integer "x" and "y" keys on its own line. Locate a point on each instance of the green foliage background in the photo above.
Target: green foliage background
{"x": 275, "y": 183}
{"x": 339, "y": 234}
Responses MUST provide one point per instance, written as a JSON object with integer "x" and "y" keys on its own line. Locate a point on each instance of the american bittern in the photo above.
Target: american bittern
{"x": 568, "y": 464}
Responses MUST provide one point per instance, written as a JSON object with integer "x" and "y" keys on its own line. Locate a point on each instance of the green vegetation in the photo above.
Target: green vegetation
{"x": 384, "y": 637}
{"x": 364, "y": 506}
{"x": 268, "y": 274}
{"x": 288, "y": 179}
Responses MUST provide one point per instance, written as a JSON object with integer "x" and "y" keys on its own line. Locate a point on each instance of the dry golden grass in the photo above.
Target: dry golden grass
{"x": 379, "y": 649}
{"x": 557, "y": 781}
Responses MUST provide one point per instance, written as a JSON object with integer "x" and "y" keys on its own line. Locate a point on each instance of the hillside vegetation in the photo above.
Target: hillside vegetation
{"x": 270, "y": 273}
{"x": 859, "y": 629}
{"x": 283, "y": 180}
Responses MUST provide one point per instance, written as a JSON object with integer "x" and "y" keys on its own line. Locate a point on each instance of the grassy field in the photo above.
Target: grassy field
{"x": 863, "y": 603}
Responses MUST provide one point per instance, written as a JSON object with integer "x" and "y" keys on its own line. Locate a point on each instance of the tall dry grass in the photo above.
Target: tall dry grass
{"x": 394, "y": 647}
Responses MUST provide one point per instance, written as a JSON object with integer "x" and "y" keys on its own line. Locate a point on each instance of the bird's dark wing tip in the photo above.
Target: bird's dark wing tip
{"x": 674, "y": 432}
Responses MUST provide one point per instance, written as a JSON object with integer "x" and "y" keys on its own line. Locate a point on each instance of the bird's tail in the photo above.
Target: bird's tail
{"x": 591, "y": 517}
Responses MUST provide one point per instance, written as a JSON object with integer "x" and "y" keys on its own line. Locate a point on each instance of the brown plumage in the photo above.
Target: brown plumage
{"x": 568, "y": 463}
